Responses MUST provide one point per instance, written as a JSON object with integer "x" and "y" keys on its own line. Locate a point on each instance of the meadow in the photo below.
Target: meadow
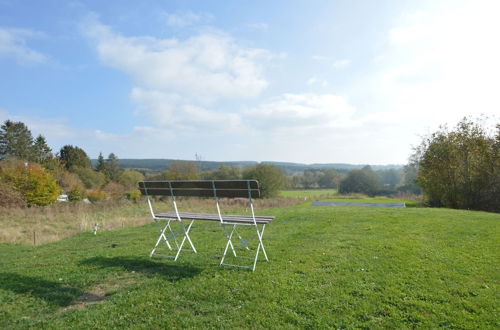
{"x": 330, "y": 267}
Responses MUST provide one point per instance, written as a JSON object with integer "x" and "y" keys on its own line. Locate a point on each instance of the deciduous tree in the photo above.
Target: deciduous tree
{"x": 271, "y": 179}
{"x": 73, "y": 156}
{"x": 181, "y": 170}
{"x": 364, "y": 181}
{"x": 459, "y": 168}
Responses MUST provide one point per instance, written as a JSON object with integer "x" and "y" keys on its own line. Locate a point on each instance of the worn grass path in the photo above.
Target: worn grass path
{"x": 339, "y": 267}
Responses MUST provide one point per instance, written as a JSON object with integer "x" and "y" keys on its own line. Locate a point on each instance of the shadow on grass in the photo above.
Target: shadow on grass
{"x": 52, "y": 292}
{"x": 170, "y": 273}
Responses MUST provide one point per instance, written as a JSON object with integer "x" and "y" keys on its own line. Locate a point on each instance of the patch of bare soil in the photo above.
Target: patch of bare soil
{"x": 99, "y": 293}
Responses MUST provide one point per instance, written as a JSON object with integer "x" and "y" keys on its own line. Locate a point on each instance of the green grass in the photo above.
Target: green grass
{"x": 331, "y": 267}
{"x": 331, "y": 195}
{"x": 366, "y": 199}
{"x": 307, "y": 193}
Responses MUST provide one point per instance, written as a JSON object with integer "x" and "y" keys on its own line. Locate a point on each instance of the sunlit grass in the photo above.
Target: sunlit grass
{"x": 330, "y": 267}
{"x": 308, "y": 193}
{"x": 39, "y": 225}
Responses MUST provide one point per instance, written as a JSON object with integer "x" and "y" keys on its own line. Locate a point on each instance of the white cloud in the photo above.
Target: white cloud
{"x": 181, "y": 20}
{"x": 317, "y": 81}
{"x": 259, "y": 26}
{"x": 176, "y": 80}
{"x": 207, "y": 66}
{"x": 51, "y": 128}
{"x": 319, "y": 58}
{"x": 171, "y": 110}
{"x": 303, "y": 112}
{"x": 443, "y": 64}
{"x": 13, "y": 45}
{"x": 340, "y": 64}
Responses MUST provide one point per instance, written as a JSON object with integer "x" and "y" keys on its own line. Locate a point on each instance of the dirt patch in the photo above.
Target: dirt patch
{"x": 99, "y": 293}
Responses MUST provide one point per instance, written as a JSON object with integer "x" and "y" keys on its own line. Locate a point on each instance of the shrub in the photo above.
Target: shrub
{"x": 96, "y": 195}
{"x": 134, "y": 195}
{"x": 90, "y": 178}
{"x": 77, "y": 193}
{"x": 67, "y": 180}
{"x": 129, "y": 178}
{"x": 9, "y": 197}
{"x": 115, "y": 190}
{"x": 37, "y": 186}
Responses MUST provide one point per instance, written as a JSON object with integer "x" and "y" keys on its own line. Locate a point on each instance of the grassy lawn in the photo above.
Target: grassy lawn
{"x": 331, "y": 195}
{"x": 310, "y": 193}
{"x": 366, "y": 199}
{"x": 331, "y": 267}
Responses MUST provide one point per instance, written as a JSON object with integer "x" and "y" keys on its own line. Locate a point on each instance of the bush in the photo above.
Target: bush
{"x": 77, "y": 193}
{"x": 9, "y": 197}
{"x": 134, "y": 195}
{"x": 67, "y": 180}
{"x": 129, "y": 178}
{"x": 37, "y": 186}
{"x": 90, "y": 178}
{"x": 115, "y": 190}
{"x": 96, "y": 195}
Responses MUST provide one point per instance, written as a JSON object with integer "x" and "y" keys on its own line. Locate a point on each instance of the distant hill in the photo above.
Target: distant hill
{"x": 288, "y": 168}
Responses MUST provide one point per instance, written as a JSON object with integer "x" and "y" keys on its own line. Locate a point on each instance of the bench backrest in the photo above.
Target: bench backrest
{"x": 201, "y": 188}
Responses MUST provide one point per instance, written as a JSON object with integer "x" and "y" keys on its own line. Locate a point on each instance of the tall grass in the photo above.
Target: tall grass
{"x": 39, "y": 225}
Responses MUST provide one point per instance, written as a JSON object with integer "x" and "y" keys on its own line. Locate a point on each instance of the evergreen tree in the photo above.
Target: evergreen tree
{"x": 112, "y": 168}
{"x": 41, "y": 151}
{"x": 101, "y": 165}
{"x": 15, "y": 140}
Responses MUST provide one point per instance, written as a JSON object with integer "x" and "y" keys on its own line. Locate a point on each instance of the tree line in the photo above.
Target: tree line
{"x": 457, "y": 168}
{"x": 31, "y": 174}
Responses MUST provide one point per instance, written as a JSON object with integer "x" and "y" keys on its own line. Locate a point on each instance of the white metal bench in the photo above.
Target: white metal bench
{"x": 205, "y": 188}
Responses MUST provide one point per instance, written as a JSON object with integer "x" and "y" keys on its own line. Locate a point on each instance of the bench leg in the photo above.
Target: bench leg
{"x": 162, "y": 237}
{"x": 173, "y": 237}
{"x": 260, "y": 235}
{"x": 186, "y": 236}
{"x": 229, "y": 243}
{"x": 260, "y": 246}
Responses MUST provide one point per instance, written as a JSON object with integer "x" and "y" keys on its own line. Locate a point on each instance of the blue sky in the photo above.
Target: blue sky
{"x": 301, "y": 81}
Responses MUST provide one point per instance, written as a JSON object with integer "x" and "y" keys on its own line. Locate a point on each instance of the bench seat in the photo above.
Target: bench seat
{"x": 261, "y": 220}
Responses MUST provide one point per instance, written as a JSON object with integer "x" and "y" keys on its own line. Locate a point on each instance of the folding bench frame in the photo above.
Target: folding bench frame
{"x": 228, "y": 223}
{"x": 229, "y": 236}
{"x": 167, "y": 229}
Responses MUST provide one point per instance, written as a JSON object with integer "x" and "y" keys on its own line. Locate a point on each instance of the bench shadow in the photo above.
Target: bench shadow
{"x": 53, "y": 292}
{"x": 62, "y": 295}
{"x": 171, "y": 273}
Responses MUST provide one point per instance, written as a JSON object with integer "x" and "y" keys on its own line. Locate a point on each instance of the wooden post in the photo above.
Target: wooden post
{"x": 34, "y": 237}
